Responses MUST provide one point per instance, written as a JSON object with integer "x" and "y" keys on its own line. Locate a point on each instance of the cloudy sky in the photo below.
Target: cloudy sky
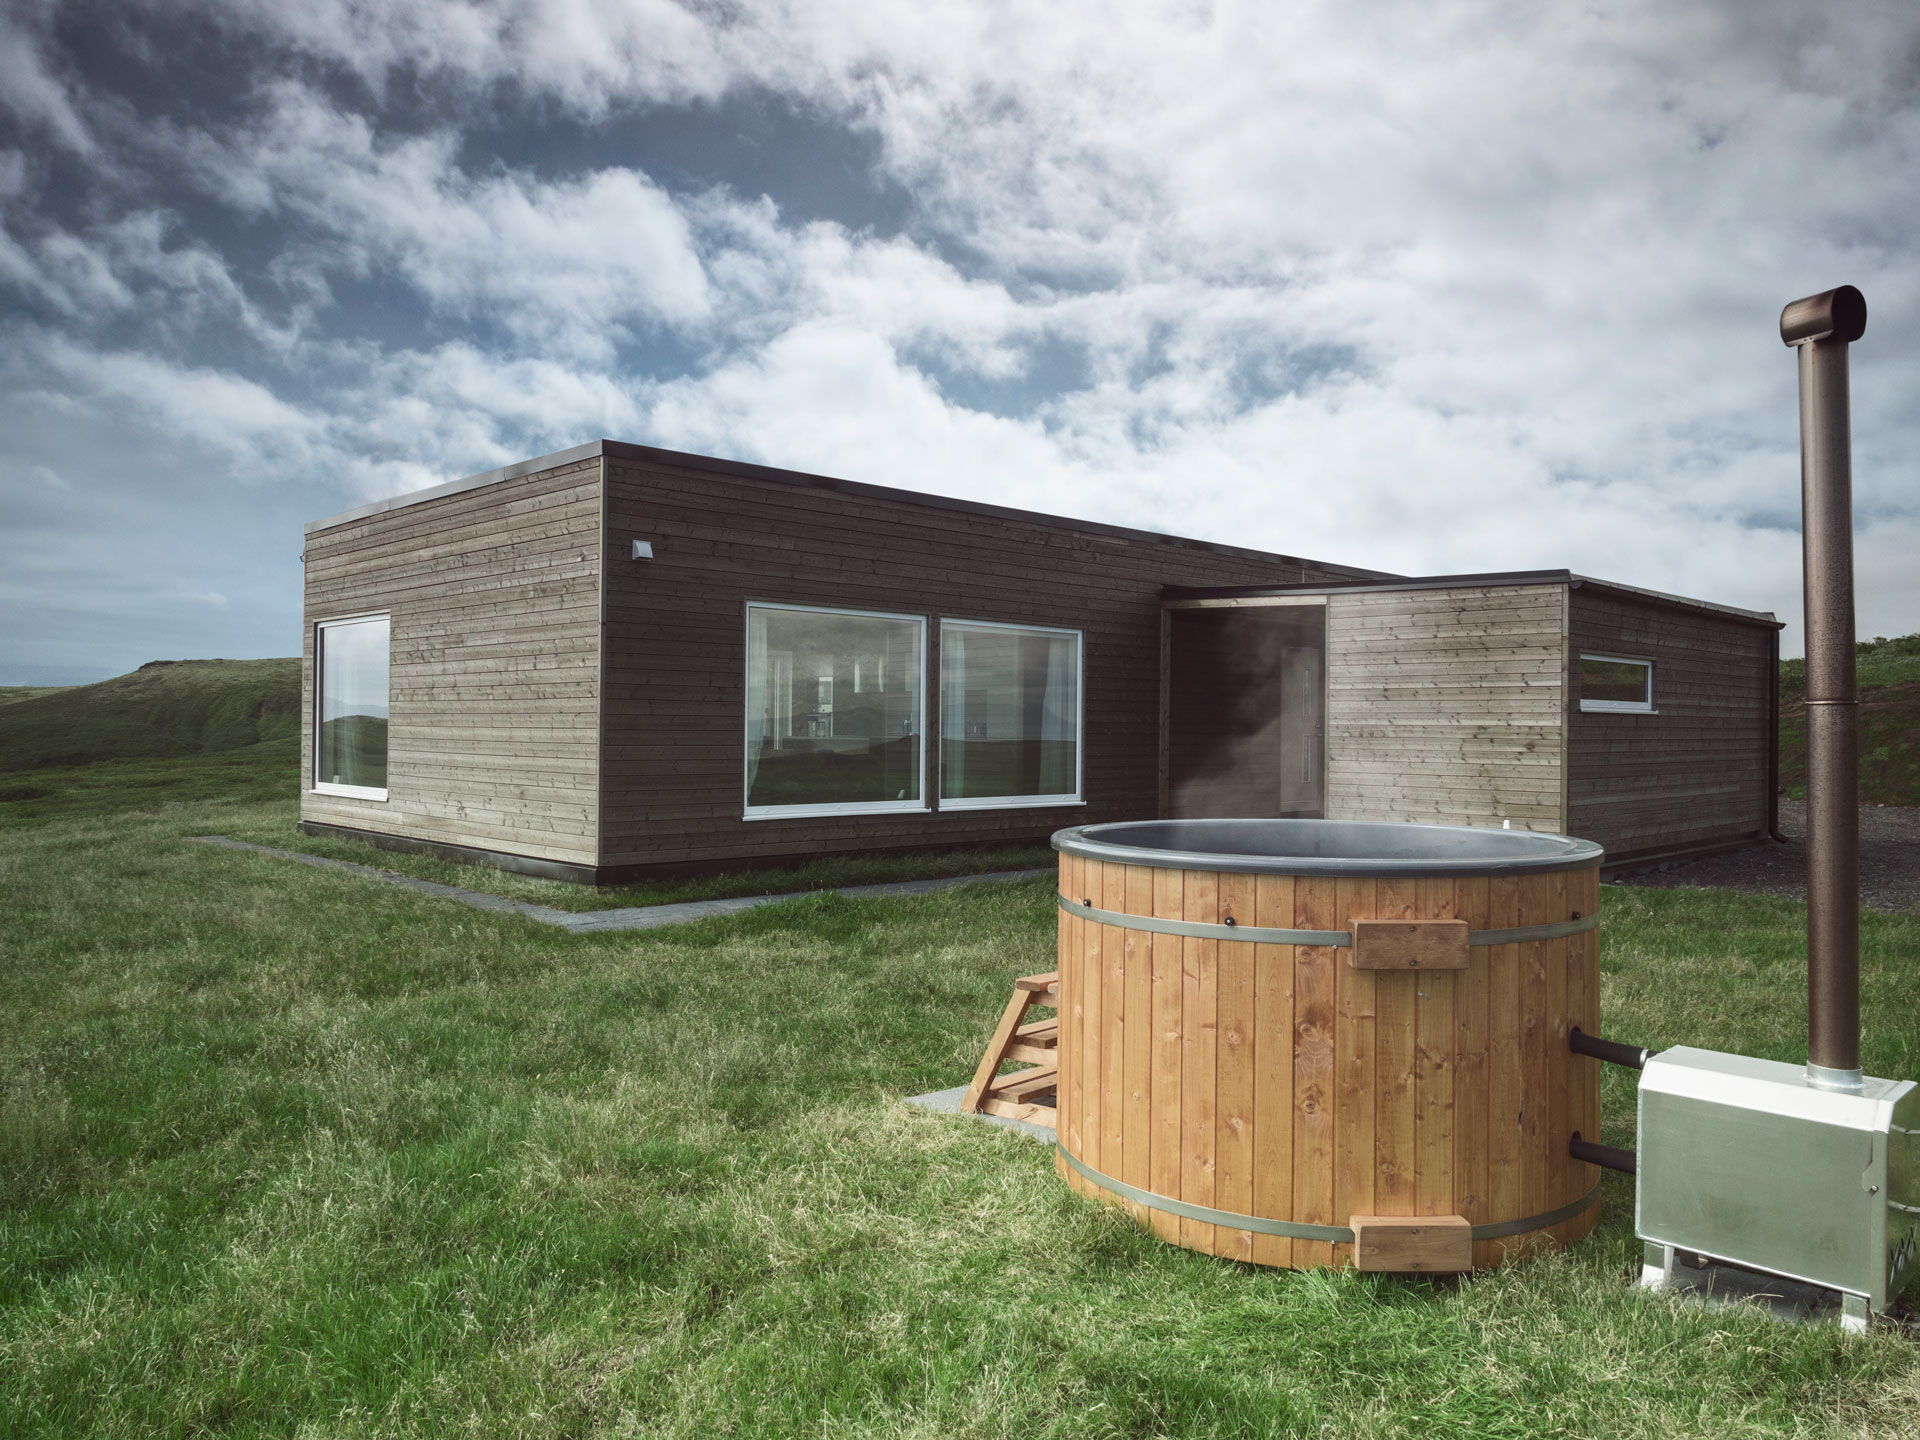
{"x": 1425, "y": 288}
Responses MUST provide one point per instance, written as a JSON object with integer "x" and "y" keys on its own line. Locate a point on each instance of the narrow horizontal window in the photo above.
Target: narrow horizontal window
{"x": 833, "y": 712}
{"x": 350, "y": 707}
{"x": 1608, "y": 682}
{"x": 1009, "y": 715}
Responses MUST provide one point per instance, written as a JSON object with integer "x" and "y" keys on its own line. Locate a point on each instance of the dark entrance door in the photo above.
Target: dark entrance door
{"x": 1246, "y": 704}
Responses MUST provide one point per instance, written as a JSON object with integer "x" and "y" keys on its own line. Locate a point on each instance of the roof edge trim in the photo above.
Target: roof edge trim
{"x": 623, "y": 450}
{"x": 453, "y": 487}
{"x": 1348, "y": 587}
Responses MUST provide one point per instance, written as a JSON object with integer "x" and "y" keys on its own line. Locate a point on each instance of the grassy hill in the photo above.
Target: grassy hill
{"x": 1889, "y": 722}
{"x": 9, "y": 694}
{"x": 165, "y": 708}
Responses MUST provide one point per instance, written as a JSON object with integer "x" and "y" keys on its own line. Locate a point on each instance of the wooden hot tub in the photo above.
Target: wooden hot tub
{"x": 1257, "y": 1046}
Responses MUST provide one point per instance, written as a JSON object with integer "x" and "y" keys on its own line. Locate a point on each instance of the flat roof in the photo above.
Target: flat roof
{"x": 621, "y": 450}
{"x": 1451, "y": 582}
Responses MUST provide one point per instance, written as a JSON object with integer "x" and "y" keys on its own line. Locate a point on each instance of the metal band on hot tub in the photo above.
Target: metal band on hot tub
{"x": 1299, "y": 1230}
{"x": 1262, "y": 935}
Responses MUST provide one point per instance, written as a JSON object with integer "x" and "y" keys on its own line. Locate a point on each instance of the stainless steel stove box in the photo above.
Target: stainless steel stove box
{"x": 1742, "y": 1160}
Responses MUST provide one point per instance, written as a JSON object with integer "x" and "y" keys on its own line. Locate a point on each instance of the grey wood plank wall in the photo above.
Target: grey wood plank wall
{"x": 1696, "y": 772}
{"x": 494, "y": 596}
{"x": 675, "y": 700}
{"x": 1448, "y": 706}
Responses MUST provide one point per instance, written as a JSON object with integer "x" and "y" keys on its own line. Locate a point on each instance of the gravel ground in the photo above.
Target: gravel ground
{"x": 1889, "y": 861}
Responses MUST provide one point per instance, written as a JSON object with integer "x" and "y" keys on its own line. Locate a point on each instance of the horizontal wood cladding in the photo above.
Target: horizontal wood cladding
{"x": 1448, "y": 706}
{"x": 1692, "y": 774}
{"x": 494, "y": 680}
{"x": 674, "y": 692}
{"x": 1283, "y": 1083}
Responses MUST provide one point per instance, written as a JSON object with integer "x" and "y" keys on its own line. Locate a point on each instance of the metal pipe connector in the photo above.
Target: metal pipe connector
{"x": 1634, "y": 1057}
{"x": 1608, "y": 1157}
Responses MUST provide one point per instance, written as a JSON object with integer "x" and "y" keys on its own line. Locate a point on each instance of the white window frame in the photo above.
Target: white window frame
{"x": 1024, "y": 802}
{"x": 320, "y": 627}
{"x": 1621, "y": 707}
{"x": 851, "y": 807}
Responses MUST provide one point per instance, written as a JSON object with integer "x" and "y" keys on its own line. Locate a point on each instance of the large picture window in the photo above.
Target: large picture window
{"x": 1610, "y": 683}
{"x": 1009, "y": 715}
{"x": 350, "y": 707}
{"x": 833, "y": 712}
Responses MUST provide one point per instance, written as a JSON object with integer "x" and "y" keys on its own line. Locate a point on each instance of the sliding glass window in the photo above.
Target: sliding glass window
{"x": 350, "y": 707}
{"x": 1009, "y": 715}
{"x": 833, "y": 712}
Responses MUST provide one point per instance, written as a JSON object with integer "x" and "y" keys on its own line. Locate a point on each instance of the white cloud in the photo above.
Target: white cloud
{"x": 420, "y": 418}
{"x": 589, "y": 52}
{"x": 137, "y": 265}
{"x": 240, "y": 416}
{"x": 36, "y": 97}
{"x": 1425, "y": 288}
{"x": 571, "y": 265}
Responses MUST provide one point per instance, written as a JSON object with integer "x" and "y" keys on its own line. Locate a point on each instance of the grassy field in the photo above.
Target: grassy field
{"x": 230, "y": 787}
{"x": 562, "y": 895}
{"x": 288, "y": 1152}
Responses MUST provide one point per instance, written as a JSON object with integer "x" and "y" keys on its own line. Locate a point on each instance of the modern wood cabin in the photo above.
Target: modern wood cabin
{"x": 619, "y": 661}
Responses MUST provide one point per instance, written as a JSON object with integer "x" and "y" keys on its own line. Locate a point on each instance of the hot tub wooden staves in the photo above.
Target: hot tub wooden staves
{"x": 1205, "y": 1081}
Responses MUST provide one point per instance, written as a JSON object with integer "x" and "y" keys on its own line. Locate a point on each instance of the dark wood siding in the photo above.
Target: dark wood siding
{"x": 494, "y": 667}
{"x": 674, "y": 707}
{"x": 1694, "y": 774}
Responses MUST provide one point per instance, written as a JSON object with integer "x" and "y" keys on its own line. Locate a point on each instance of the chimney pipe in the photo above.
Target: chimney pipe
{"x": 1821, "y": 327}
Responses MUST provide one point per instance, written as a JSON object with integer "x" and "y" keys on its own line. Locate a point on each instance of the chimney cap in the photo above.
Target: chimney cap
{"x": 1839, "y": 314}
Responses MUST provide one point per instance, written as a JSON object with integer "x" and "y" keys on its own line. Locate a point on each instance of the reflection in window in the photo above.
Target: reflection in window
{"x": 350, "y": 676}
{"x": 1009, "y": 715}
{"x": 833, "y": 710}
{"x": 1609, "y": 683}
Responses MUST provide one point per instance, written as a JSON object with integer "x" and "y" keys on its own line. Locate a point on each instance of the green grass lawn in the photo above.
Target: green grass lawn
{"x": 288, "y": 1152}
{"x": 233, "y": 791}
{"x": 281, "y": 832}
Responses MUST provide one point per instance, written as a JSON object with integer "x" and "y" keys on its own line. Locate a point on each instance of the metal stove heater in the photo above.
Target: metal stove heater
{"x": 1812, "y": 1174}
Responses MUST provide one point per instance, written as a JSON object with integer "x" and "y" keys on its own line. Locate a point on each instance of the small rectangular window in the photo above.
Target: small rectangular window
{"x": 833, "y": 712}
{"x": 1609, "y": 683}
{"x": 1009, "y": 715}
{"x": 350, "y": 707}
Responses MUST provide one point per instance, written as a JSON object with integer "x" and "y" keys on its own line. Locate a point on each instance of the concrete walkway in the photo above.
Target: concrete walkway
{"x": 633, "y": 917}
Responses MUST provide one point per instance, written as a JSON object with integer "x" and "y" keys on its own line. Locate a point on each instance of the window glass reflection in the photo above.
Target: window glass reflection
{"x": 1009, "y": 712}
{"x": 833, "y": 708}
{"x": 351, "y": 674}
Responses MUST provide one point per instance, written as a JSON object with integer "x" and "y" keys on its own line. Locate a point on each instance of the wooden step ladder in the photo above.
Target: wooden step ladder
{"x": 1021, "y": 1094}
